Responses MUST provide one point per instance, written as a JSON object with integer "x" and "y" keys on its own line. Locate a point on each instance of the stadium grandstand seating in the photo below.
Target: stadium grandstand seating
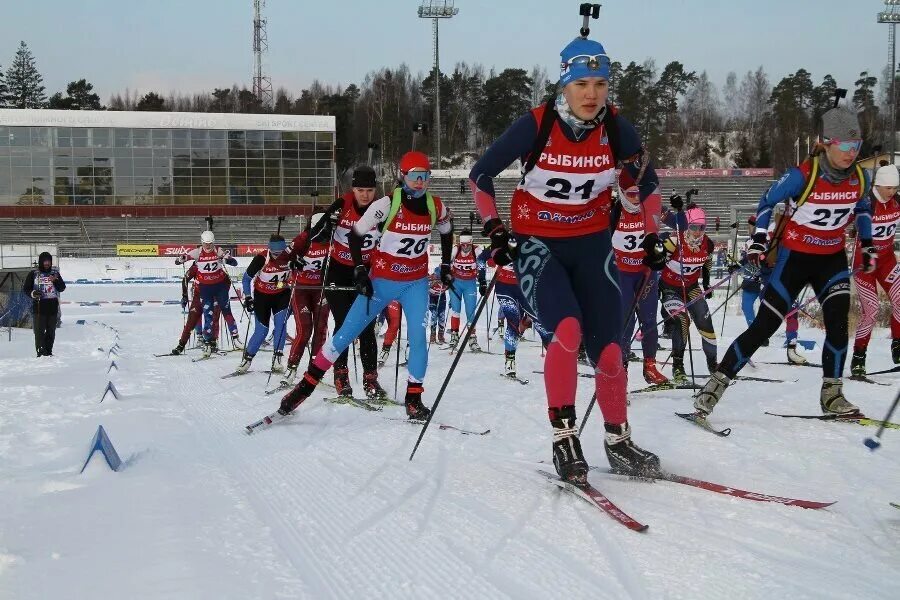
{"x": 98, "y": 236}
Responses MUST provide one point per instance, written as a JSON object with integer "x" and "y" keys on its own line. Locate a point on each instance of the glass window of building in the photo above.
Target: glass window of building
{"x": 109, "y": 163}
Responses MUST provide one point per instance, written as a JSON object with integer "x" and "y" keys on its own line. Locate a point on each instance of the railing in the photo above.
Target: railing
{"x": 84, "y": 230}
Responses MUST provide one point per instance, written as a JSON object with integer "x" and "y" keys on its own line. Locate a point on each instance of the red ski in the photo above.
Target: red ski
{"x": 264, "y": 422}
{"x": 594, "y": 496}
{"x": 730, "y": 491}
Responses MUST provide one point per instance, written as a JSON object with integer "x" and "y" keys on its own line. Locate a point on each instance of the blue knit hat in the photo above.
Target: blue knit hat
{"x": 585, "y": 65}
{"x": 276, "y": 244}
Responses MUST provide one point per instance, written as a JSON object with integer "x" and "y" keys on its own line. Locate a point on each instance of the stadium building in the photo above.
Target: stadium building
{"x": 58, "y": 163}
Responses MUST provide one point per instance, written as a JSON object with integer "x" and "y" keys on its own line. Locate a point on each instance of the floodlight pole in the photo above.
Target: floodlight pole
{"x": 891, "y": 16}
{"x": 434, "y": 10}
{"x": 893, "y": 42}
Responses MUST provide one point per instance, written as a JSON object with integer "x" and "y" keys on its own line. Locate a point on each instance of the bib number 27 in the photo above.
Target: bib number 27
{"x": 824, "y": 215}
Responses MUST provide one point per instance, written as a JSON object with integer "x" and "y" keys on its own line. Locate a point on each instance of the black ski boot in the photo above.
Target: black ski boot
{"x": 414, "y": 407}
{"x": 625, "y": 456}
{"x": 373, "y": 389}
{"x": 302, "y": 391}
{"x": 246, "y": 359}
{"x": 582, "y": 356}
{"x": 342, "y": 382}
{"x": 509, "y": 364}
{"x": 832, "y": 400}
{"x": 858, "y": 363}
{"x": 179, "y": 349}
{"x": 707, "y": 398}
{"x": 679, "y": 376}
{"x": 567, "y": 455}
{"x": 895, "y": 351}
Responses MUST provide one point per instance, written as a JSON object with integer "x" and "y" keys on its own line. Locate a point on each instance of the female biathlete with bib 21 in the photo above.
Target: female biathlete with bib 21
{"x": 564, "y": 258}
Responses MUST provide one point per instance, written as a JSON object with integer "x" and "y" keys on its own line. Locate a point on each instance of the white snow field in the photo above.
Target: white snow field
{"x": 327, "y": 504}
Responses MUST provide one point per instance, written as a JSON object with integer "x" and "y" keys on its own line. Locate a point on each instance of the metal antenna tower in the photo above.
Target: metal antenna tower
{"x": 262, "y": 84}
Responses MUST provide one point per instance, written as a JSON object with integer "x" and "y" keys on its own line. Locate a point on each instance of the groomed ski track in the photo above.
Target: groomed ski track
{"x": 326, "y": 504}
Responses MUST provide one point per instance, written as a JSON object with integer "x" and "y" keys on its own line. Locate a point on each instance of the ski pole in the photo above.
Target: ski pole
{"x": 397, "y": 366}
{"x": 631, "y": 312}
{"x": 487, "y": 325}
{"x": 247, "y": 335}
{"x": 730, "y": 276}
{"x": 470, "y": 327}
{"x": 238, "y": 295}
{"x": 718, "y": 308}
{"x": 815, "y": 297}
{"x": 587, "y": 413}
{"x": 687, "y": 328}
{"x": 714, "y": 286}
{"x": 874, "y": 443}
{"x": 316, "y": 317}
{"x": 283, "y": 336}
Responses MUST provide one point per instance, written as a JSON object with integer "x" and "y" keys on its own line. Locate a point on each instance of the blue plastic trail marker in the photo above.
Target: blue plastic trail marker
{"x": 104, "y": 445}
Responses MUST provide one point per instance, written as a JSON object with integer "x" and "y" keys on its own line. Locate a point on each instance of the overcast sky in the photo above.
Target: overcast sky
{"x": 193, "y": 45}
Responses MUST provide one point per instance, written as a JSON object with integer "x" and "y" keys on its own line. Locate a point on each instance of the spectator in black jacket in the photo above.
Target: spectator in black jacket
{"x": 44, "y": 284}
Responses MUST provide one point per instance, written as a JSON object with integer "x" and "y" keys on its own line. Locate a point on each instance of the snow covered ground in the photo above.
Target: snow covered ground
{"x": 327, "y": 505}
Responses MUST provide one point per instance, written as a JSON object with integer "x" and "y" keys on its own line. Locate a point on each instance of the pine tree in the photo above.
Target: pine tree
{"x": 24, "y": 82}
{"x": 744, "y": 156}
{"x": 3, "y": 89}
{"x": 79, "y": 96}
{"x": 151, "y": 102}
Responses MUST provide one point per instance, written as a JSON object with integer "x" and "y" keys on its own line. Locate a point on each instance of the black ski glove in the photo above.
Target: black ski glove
{"x": 324, "y": 228}
{"x": 184, "y": 302}
{"x": 676, "y": 202}
{"x": 248, "y": 303}
{"x": 757, "y": 249}
{"x": 502, "y": 251}
{"x": 869, "y": 256}
{"x": 482, "y": 288}
{"x": 446, "y": 275}
{"x": 362, "y": 282}
{"x": 655, "y": 257}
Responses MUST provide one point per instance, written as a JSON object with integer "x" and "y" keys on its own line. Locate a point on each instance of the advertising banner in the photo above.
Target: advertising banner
{"x": 175, "y": 250}
{"x": 137, "y": 250}
{"x": 715, "y": 172}
{"x": 251, "y": 249}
